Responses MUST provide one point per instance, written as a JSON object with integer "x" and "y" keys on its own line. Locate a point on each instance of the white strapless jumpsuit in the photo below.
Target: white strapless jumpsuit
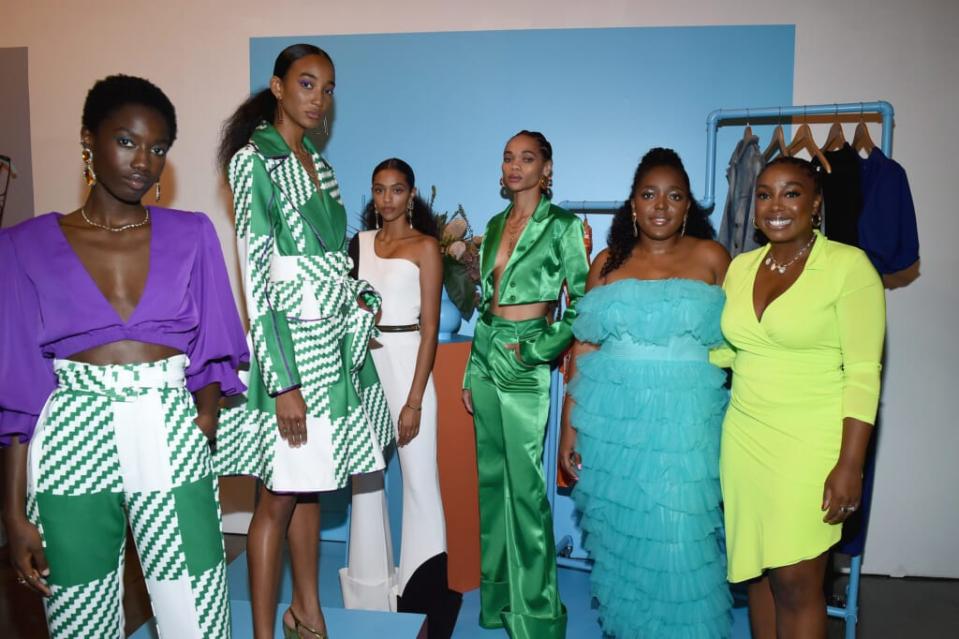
{"x": 371, "y": 580}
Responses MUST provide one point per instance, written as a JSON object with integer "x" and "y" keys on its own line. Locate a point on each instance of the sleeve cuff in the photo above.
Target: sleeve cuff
{"x": 283, "y": 390}
{"x": 17, "y": 425}
{"x": 217, "y": 372}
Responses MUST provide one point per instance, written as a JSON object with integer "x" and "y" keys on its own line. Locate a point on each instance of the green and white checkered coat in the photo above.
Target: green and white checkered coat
{"x": 306, "y": 329}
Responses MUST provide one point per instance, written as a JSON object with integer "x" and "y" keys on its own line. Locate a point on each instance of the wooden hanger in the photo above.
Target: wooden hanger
{"x": 836, "y": 138}
{"x": 861, "y": 140}
{"x": 778, "y": 142}
{"x": 803, "y": 140}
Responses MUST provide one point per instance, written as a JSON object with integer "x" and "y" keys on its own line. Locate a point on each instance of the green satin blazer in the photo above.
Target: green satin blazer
{"x": 550, "y": 251}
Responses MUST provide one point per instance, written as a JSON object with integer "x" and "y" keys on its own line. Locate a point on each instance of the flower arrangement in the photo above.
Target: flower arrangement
{"x": 460, "y": 250}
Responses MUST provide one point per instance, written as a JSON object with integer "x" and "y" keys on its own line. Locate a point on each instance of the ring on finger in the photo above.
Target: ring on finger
{"x": 21, "y": 581}
{"x": 847, "y": 509}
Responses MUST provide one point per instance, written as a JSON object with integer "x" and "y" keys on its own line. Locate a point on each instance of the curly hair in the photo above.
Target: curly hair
{"x": 260, "y": 106}
{"x": 116, "y": 91}
{"x": 422, "y": 218}
{"x": 622, "y": 239}
{"x": 546, "y": 150}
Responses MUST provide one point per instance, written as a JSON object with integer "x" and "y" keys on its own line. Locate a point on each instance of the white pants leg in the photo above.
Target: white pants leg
{"x": 371, "y": 576}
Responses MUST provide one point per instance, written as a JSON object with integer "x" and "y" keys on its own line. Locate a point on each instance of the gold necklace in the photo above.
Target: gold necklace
{"x": 117, "y": 229}
{"x": 773, "y": 265}
{"x": 514, "y": 230}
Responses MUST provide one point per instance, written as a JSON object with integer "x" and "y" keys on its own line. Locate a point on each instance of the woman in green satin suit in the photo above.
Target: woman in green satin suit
{"x": 528, "y": 252}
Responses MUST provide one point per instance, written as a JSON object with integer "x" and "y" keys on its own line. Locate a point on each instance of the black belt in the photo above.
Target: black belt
{"x": 406, "y": 328}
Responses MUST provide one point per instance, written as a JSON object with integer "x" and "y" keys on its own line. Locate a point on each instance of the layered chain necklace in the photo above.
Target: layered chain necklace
{"x": 773, "y": 265}
{"x": 117, "y": 229}
{"x": 514, "y": 230}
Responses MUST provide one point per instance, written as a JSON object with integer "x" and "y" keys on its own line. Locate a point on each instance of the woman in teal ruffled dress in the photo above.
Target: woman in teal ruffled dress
{"x": 641, "y": 424}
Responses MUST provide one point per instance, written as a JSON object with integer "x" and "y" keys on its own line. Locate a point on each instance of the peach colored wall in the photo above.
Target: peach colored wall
{"x": 904, "y": 52}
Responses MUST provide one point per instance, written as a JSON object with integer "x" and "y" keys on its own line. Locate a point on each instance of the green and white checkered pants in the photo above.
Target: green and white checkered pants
{"x": 117, "y": 445}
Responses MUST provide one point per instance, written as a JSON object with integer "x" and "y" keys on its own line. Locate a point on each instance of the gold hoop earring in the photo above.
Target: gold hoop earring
{"x": 409, "y": 211}
{"x": 376, "y": 216}
{"x": 817, "y": 220}
{"x": 157, "y": 194}
{"x": 88, "y": 175}
{"x": 632, "y": 207}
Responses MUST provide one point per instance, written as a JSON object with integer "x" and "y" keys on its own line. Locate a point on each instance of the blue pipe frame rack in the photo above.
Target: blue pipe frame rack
{"x": 715, "y": 119}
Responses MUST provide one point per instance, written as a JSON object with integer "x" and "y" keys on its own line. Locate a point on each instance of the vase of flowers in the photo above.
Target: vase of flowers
{"x": 461, "y": 269}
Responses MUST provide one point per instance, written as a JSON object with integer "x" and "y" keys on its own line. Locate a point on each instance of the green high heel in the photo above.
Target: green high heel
{"x": 294, "y": 632}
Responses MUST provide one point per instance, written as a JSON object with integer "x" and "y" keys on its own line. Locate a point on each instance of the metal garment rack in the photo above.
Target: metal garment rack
{"x": 717, "y": 117}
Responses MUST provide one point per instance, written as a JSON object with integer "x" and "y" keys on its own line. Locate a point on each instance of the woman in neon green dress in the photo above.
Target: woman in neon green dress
{"x": 805, "y": 317}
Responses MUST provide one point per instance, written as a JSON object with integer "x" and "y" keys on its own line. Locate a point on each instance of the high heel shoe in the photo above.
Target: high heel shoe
{"x": 298, "y": 626}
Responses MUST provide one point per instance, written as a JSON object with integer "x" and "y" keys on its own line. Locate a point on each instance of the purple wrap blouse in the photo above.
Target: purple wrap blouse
{"x": 50, "y": 307}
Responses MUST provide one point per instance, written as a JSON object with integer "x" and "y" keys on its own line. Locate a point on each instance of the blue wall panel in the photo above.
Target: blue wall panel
{"x": 447, "y": 102}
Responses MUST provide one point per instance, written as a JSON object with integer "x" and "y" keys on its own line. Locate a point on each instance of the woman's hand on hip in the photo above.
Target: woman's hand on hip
{"x": 468, "y": 400}
{"x": 515, "y": 348}
{"x": 291, "y": 417}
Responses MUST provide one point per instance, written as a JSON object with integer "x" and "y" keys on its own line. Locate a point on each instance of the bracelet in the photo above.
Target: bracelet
{"x": 413, "y": 408}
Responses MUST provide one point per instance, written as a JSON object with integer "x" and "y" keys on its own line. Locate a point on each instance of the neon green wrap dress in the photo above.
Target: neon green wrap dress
{"x": 810, "y": 361}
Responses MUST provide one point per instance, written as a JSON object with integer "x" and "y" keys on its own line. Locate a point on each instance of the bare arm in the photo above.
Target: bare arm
{"x": 431, "y": 284}
{"x": 718, "y": 259}
{"x": 569, "y": 458}
{"x": 26, "y": 547}
{"x": 208, "y": 409}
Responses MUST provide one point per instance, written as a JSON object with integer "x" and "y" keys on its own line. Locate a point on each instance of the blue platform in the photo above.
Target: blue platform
{"x": 360, "y": 624}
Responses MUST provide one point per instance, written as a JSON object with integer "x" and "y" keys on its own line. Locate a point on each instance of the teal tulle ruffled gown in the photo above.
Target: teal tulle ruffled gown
{"x": 649, "y": 408}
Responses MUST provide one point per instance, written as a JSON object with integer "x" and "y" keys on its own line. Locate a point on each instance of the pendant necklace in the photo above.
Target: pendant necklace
{"x": 773, "y": 265}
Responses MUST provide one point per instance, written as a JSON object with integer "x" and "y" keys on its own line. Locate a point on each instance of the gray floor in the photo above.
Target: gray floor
{"x": 905, "y": 609}
{"x": 890, "y": 608}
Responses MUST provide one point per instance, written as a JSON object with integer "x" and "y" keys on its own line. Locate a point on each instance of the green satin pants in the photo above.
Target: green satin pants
{"x": 518, "y": 555}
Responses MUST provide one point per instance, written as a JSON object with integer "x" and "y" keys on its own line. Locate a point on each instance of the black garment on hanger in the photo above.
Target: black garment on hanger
{"x": 842, "y": 195}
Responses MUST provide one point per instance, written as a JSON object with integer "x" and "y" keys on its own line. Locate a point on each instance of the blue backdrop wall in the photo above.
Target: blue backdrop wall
{"x": 447, "y": 103}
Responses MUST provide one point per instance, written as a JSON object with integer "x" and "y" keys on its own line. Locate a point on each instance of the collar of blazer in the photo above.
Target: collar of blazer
{"x": 319, "y": 210}
{"x": 271, "y": 144}
{"x": 494, "y": 232}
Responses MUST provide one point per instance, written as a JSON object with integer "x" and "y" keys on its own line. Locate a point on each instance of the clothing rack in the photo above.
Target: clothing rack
{"x": 717, "y": 117}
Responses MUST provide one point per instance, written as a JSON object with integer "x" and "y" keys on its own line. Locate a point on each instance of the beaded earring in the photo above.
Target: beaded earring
{"x": 88, "y": 175}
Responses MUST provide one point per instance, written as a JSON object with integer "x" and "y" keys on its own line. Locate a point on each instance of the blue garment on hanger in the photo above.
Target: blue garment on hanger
{"x": 887, "y": 225}
{"x": 745, "y": 164}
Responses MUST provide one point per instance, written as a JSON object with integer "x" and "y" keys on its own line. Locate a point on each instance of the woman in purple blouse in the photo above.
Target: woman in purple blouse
{"x": 118, "y": 335}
